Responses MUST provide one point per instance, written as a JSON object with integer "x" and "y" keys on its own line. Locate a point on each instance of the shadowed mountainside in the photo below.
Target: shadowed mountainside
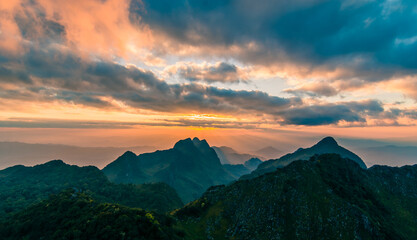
{"x": 327, "y": 197}
{"x": 326, "y": 145}
{"x": 75, "y": 215}
{"x": 190, "y": 167}
{"x": 22, "y": 186}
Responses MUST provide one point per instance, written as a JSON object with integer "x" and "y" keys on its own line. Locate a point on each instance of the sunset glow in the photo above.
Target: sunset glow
{"x": 133, "y": 69}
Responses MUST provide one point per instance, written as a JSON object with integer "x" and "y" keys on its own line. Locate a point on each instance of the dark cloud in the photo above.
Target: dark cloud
{"x": 220, "y": 72}
{"x": 59, "y": 123}
{"x": 54, "y": 123}
{"x": 314, "y": 90}
{"x": 332, "y": 113}
{"x": 375, "y": 39}
{"x": 60, "y": 76}
{"x": 65, "y": 77}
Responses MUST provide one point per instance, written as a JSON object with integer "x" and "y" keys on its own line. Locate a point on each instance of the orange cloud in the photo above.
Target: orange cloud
{"x": 10, "y": 37}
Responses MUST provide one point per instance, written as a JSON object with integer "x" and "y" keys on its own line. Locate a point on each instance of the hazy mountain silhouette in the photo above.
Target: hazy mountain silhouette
{"x": 252, "y": 163}
{"x": 15, "y": 153}
{"x": 326, "y": 145}
{"x": 190, "y": 167}
{"x": 390, "y": 155}
{"x": 268, "y": 152}
{"x": 228, "y": 155}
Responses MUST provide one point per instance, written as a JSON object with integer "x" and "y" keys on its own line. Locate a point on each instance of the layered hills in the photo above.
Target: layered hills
{"x": 309, "y": 194}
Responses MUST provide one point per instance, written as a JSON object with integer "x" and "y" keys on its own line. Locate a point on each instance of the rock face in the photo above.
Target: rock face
{"x": 190, "y": 167}
{"x": 326, "y": 145}
{"x": 327, "y": 197}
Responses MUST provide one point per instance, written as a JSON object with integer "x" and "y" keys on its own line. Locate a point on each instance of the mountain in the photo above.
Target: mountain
{"x": 327, "y": 197}
{"x": 22, "y": 186}
{"x": 326, "y": 145}
{"x": 268, "y": 152}
{"x": 228, "y": 155}
{"x": 16, "y": 153}
{"x": 75, "y": 215}
{"x": 252, "y": 163}
{"x": 238, "y": 170}
{"x": 190, "y": 167}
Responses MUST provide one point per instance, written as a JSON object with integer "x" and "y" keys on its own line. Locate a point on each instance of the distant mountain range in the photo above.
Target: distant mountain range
{"x": 228, "y": 155}
{"x": 326, "y": 197}
{"x": 238, "y": 170}
{"x": 321, "y": 192}
{"x": 391, "y": 155}
{"x": 14, "y": 153}
{"x": 268, "y": 152}
{"x": 326, "y": 145}
{"x": 190, "y": 167}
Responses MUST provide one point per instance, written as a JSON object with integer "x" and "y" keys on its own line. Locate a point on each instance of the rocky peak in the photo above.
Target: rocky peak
{"x": 327, "y": 142}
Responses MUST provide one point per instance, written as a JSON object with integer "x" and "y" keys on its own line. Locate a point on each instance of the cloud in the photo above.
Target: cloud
{"x": 54, "y": 123}
{"x": 220, "y": 72}
{"x": 359, "y": 39}
{"x": 92, "y": 28}
{"x": 314, "y": 89}
{"x": 350, "y": 112}
{"x": 56, "y": 76}
{"x": 78, "y": 53}
{"x": 51, "y": 74}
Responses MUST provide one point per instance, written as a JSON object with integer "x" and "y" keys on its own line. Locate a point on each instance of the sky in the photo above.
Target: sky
{"x": 147, "y": 72}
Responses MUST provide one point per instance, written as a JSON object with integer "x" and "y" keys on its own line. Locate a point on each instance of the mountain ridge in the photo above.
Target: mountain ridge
{"x": 190, "y": 167}
{"x": 325, "y": 197}
{"x": 325, "y": 145}
{"x": 21, "y": 186}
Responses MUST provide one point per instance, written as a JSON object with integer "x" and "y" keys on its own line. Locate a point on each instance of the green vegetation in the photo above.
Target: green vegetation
{"x": 22, "y": 186}
{"x": 328, "y": 197}
{"x": 75, "y": 215}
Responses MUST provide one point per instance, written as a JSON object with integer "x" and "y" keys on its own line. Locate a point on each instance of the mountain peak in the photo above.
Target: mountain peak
{"x": 188, "y": 143}
{"x": 128, "y": 154}
{"x": 57, "y": 162}
{"x": 184, "y": 143}
{"x": 327, "y": 141}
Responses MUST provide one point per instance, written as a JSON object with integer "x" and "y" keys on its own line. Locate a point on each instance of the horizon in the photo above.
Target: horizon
{"x": 367, "y": 150}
